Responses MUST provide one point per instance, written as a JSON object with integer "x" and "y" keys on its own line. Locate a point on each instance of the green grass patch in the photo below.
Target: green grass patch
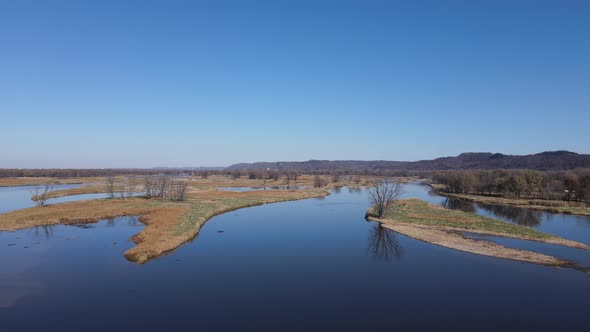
{"x": 415, "y": 211}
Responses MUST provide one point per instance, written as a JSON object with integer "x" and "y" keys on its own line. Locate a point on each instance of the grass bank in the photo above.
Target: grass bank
{"x": 437, "y": 225}
{"x": 168, "y": 224}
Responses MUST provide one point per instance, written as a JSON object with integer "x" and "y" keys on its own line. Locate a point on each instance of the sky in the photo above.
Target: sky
{"x": 210, "y": 83}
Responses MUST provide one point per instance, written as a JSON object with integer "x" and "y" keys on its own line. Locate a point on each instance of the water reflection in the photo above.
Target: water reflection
{"x": 383, "y": 244}
{"x": 45, "y": 231}
{"x": 86, "y": 226}
{"x": 457, "y": 204}
{"x": 524, "y": 217}
{"x": 355, "y": 190}
{"x": 128, "y": 220}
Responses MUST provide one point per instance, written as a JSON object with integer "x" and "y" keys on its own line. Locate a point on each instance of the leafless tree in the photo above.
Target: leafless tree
{"x": 161, "y": 185}
{"x": 383, "y": 194}
{"x": 336, "y": 177}
{"x": 41, "y": 194}
{"x": 356, "y": 179}
{"x": 129, "y": 188}
{"x": 110, "y": 186}
{"x": 177, "y": 190}
{"x": 149, "y": 184}
{"x": 122, "y": 190}
{"x": 274, "y": 175}
{"x": 317, "y": 181}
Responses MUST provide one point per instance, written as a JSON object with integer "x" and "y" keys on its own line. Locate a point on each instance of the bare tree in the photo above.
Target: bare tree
{"x": 383, "y": 194}
{"x": 356, "y": 179}
{"x": 149, "y": 187}
{"x": 41, "y": 194}
{"x": 274, "y": 175}
{"x": 128, "y": 189}
{"x": 110, "y": 186}
{"x": 177, "y": 190}
{"x": 318, "y": 181}
{"x": 336, "y": 177}
{"x": 122, "y": 190}
{"x": 161, "y": 186}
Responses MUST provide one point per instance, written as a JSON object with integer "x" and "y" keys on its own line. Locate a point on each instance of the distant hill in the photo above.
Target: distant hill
{"x": 200, "y": 168}
{"x": 545, "y": 161}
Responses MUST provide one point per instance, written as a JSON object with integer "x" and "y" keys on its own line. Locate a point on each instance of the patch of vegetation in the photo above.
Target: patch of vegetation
{"x": 415, "y": 211}
{"x": 169, "y": 224}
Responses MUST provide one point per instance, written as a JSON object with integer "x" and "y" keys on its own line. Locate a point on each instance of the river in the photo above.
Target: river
{"x": 304, "y": 265}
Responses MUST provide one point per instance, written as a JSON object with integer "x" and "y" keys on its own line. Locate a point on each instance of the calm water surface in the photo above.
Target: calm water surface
{"x": 306, "y": 265}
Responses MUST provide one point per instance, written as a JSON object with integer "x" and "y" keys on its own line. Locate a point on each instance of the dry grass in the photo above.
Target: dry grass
{"x": 434, "y": 224}
{"x": 168, "y": 224}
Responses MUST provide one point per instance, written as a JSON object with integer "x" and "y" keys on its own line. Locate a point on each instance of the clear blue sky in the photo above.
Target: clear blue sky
{"x": 192, "y": 83}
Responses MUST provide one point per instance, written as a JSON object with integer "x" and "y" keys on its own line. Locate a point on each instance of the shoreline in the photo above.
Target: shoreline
{"x": 516, "y": 202}
{"x": 453, "y": 237}
{"x": 168, "y": 225}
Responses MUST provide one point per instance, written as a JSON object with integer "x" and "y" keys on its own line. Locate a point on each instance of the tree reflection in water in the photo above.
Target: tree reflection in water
{"x": 355, "y": 190}
{"x": 457, "y": 204}
{"x": 46, "y": 231}
{"x": 133, "y": 221}
{"x": 520, "y": 216}
{"x": 383, "y": 244}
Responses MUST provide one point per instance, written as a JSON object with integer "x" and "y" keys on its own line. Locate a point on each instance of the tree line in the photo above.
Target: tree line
{"x": 563, "y": 185}
{"x": 74, "y": 173}
{"x": 250, "y": 173}
{"x": 163, "y": 187}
